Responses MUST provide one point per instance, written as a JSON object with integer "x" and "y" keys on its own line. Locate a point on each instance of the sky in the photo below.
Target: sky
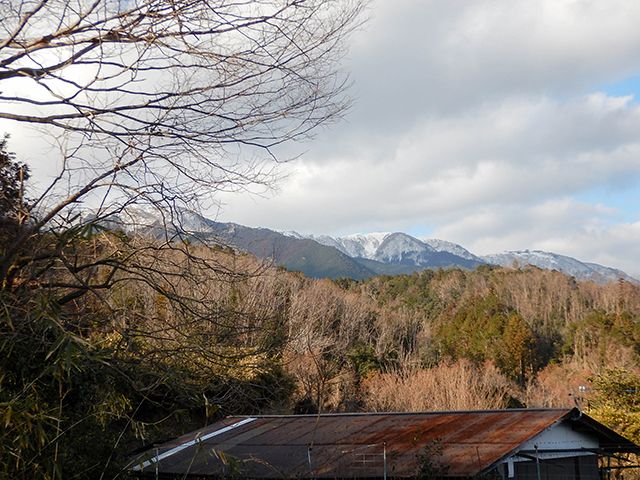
{"x": 495, "y": 124}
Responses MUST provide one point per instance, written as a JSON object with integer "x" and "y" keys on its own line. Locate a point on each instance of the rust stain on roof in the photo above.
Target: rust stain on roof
{"x": 352, "y": 445}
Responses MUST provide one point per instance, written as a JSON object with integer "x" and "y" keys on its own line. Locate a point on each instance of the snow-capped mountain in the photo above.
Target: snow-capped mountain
{"x": 445, "y": 246}
{"x": 355, "y": 256}
{"x": 387, "y": 246}
{"x": 357, "y": 245}
{"x": 401, "y": 249}
{"x": 611, "y": 274}
{"x": 562, "y": 263}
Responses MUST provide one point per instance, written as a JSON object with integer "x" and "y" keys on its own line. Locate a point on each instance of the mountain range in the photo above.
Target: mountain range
{"x": 359, "y": 256}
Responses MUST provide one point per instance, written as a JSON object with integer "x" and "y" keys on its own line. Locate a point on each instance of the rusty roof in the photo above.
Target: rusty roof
{"x": 460, "y": 444}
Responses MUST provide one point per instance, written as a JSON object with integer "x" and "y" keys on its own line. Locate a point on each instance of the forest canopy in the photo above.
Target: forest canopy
{"x": 139, "y": 367}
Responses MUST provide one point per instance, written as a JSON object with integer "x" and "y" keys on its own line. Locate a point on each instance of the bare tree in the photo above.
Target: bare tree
{"x": 146, "y": 103}
{"x": 456, "y": 386}
{"x": 165, "y": 103}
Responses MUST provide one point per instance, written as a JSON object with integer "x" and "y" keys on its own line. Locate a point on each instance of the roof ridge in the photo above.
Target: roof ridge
{"x": 433, "y": 412}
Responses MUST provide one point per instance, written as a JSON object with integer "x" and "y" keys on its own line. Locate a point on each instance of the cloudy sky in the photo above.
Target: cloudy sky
{"x": 496, "y": 124}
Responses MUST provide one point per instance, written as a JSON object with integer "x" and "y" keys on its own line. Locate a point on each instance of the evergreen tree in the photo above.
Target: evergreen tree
{"x": 13, "y": 207}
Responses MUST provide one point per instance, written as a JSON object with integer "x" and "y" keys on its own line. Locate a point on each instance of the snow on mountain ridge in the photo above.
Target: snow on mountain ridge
{"x": 365, "y": 244}
{"x": 392, "y": 247}
{"x": 357, "y": 245}
{"x": 450, "y": 247}
{"x": 291, "y": 233}
{"x": 370, "y": 237}
{"x": 399, "y": 247}
{"x": 553, "y": 261}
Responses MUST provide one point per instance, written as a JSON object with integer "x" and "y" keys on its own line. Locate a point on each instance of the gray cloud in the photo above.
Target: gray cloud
{"x": 513, "y": 152}
{"x": 481, "y": 120}
{"x": 418, "y": 57}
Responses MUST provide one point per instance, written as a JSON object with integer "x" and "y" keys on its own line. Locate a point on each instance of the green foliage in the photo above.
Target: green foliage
{"x": 13, "y": 176}
{"x": 515, "y": 352}
{"x": 520, "y": 319}
{"x": 85, "y": 382}
{"x": 363, "y": 360}
{"x": 616, "y": 401}
{"x": 430, "y": 464}
{"x": 474, "y": 329}
{"x": 50, "y": 399}
{"x": 598, "y": 332}
{"x": 345, "y": 283}
{"x": 14, "y": 207}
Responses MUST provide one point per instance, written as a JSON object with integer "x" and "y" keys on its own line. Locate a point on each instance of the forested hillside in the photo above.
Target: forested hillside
{"x": 186, "y": 333}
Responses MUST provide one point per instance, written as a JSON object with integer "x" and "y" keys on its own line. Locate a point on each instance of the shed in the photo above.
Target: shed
{"x": 527, "y": 444}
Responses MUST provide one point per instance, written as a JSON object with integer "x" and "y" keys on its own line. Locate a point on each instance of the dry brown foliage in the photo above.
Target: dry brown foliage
{"x": 455, "y": 386}
{"x": 567, "y": 384}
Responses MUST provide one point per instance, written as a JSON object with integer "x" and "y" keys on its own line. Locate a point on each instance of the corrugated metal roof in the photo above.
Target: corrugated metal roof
{"x": 354, "y": 445}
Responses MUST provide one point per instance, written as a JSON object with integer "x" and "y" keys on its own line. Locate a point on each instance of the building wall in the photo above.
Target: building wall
{"x": 575, "y": 468}
{"x": 560, "y": 437}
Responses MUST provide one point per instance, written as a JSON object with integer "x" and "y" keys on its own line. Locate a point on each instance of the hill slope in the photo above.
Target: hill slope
{"x": 359, "y": 256}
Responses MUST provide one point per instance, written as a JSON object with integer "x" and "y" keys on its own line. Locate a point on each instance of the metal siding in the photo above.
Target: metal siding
{"x": 578, "y": 468}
